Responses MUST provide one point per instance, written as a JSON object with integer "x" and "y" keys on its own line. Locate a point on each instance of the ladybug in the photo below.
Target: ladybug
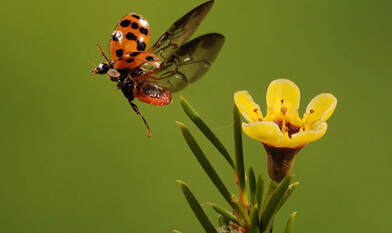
{"x": 153, "y": 75}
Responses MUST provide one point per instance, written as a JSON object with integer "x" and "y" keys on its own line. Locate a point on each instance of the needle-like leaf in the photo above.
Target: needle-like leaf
{"x": 194, "y": 116}
{"x": 254, "y": 228}
{"x": 197, "y": 209}
{"x": 259, "y": 191}
{"x": 214, "y": 177}
{"x": 205, "y": 164}
{"x": 224, "y": 224}
{"x": 226, "y": 214}
{"x": 274, "y": 201}
{"x": 290, "y": 223}
{"x": 239, "y": 154}
{"x": 252, "y": 185}
{"x": 241, "y": 211}
{"x": 286, "y": 196}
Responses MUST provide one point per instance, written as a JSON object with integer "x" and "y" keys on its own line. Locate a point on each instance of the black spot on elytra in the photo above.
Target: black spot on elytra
{"x": 133, "y": 54}
{"x": 150, "y": 58}
{"x": 125, "y": 23}
{"x": 141, "y": 46}
{"x": 114, "y": 37}
{"x": 130, "y": 60}
{"x": 144, "y": 31}
{"x": 136, "y": 16}
{"x": 134, "y": 25}
{"x": 130, "y": 36}
{"x": 119, "y": 52}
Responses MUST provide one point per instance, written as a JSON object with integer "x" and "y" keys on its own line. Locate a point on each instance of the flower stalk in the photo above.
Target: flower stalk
{"x": 239, "y": 158}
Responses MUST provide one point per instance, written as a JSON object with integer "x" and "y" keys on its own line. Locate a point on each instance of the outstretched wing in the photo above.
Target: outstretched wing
{"x": 180, "y": 31}
{"x": 189, "y": 63}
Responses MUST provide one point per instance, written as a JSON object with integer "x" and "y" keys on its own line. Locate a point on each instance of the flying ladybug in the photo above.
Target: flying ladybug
{"x": 153, "y": 75}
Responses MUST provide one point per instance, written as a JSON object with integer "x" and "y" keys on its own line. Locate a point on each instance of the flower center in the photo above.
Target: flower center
{"x": 285, "y": 126}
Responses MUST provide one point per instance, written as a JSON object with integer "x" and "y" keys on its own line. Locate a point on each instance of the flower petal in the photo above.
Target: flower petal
{"x": 286, "y": 90}
{"x": 264, "y": 131}
{"x": 245, "y": 104}
{"x": 323, "y": 106}
{"x": 303, "y": 138}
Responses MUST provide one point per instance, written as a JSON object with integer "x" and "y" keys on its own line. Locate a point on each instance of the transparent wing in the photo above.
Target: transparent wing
{"x": 190, "y": 62}
{"x": 180, "y": 31}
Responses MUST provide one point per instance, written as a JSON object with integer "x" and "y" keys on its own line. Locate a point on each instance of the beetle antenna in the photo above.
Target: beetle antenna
{"x": 93, "y": 63}
{"x": 93, "y": 72}
{"x": 102, "y": 52}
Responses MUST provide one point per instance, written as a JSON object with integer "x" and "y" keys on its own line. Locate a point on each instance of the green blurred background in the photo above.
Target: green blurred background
{"x": 74, "y": 157}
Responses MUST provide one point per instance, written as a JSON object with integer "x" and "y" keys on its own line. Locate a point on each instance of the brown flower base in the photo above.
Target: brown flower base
{"x": 280, "y": 161}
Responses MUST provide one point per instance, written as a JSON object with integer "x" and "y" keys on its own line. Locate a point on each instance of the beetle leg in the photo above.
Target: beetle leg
{"x": 136, "y": 109}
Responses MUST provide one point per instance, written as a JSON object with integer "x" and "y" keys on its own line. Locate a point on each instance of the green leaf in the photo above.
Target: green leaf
{"x": 224, "y": 224}
{"x": 259, "y": 190}
{"x": 270, "y": 190}
{"x": 197, "y": 209}
{"x": 206, "y": 165}
{"x": 273, "y": 203}
{"x": 226, "y": 214}
{"x": 252, "y": 185}
{"x": 254, "y": 228}
{"x": 290, "y": 223}
{"x": 286, "y": 196}
{"x": 239, "y": 154}
{"x": 270, "y": 227}
{"x": 241, "y": 212}
{"x": 194, "y": 116}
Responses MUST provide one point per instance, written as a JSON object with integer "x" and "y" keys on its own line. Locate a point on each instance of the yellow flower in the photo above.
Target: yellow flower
{"x": 282, "y": 127}
{"x": 282, "y": 132}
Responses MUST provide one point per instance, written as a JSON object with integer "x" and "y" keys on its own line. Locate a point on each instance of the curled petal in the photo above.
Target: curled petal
{"x": 247, "y": 107}
{"x": 322, "y": 106}
{"x": 265, "y": 131}
{"x": 303, "y": 138}
{"x": 286, "y": 90}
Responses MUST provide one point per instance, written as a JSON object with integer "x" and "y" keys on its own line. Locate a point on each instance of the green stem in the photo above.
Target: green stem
{"x": 239, "y": 156}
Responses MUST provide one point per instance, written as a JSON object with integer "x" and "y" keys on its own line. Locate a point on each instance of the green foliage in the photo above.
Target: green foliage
{"x": 290, "y": 223}
{"x": 197, "y": 209}
{"x": 251, "y": 212}
{"x": 239, "y": 154}
{"x": 272, "y": 205}
{"x": 192, "y": 114}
